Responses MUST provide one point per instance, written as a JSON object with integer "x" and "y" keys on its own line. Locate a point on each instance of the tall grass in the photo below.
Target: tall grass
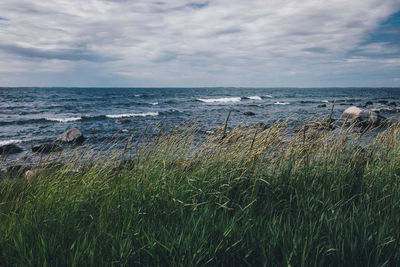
{"x": 248, "y": 197}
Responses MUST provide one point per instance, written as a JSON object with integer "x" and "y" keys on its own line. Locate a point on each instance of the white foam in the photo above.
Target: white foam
{"x": 11, "y": 141}
{"x": 281, "y": 103}
{"x": 255, "y": 97}
{"x": 220, "y": 100}
{"x": 114, "y": 116}
{"x": 270, "y": 96}
{"x": 325, "y": 101}
{"x": 155, "y": 103}
{"x": 64, "y": 119}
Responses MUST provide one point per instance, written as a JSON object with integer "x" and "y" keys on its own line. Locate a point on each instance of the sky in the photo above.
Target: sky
{"x": 200, "y": 43}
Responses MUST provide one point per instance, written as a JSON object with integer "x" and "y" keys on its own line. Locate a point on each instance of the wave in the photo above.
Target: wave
{"x": 11, "y": 141}
{"x": 325, "y": 101}
{"x": 220, "y": 100}
{"x": 64, "y": 119}
{"x": 269, "y": 96}
{"x": 255, "y": 97}
{"x": 114, "y": 116}
{"x": 281, "y": 103}
{"x": 154, "y": 103}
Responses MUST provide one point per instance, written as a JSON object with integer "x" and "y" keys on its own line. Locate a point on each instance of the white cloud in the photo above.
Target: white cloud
{"x": 178, "y": 42}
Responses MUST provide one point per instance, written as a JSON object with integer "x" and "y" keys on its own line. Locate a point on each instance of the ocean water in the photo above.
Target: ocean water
{"x": 30, "y": 116}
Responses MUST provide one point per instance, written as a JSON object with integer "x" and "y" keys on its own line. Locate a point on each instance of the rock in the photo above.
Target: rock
{"x": 365, "y": 117}
{"x": 259, "y": 126}
{"x": 71, "y": 136}
{"x": 352, "y": 112}
{"x": 122, "y": 121}
{"x": 29, "y": 175}
{"x": 393, "y": 104}
{"x": 10, "y": 149}
{"x": 46, "y": 148}
{"x": 321, "y": 106}
{"x": 384, "y": 102}
{"x": 249, "y": 113}
{"x": 368, "y": 103}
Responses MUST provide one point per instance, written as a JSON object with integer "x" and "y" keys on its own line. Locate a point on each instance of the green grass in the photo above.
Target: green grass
{"x": 257, "y": 198}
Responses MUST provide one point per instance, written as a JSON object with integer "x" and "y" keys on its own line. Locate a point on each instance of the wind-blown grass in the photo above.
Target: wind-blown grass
{"x": 255, "y": 197}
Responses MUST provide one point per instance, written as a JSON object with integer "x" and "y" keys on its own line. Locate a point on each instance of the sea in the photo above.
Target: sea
{"x": 30, "y": 116}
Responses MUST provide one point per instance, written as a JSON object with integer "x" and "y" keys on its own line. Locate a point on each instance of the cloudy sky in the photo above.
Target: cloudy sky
{"x": 196, "y": 43}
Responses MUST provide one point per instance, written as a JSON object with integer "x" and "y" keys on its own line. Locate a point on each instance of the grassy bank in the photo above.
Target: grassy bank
{"x": 255, "y": 197}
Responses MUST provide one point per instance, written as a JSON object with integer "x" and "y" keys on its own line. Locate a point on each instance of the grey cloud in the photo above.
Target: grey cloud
{"x": 65, "y": 54}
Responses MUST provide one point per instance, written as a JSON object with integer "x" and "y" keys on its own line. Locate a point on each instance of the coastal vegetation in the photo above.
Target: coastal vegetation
{"x": 253, "y": 195}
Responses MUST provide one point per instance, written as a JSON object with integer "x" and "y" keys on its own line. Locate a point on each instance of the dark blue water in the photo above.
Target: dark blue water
{"x": 30, "y": 116}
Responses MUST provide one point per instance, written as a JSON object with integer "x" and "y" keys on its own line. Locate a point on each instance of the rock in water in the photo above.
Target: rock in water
{"x": 122, "y": 121}
{"x": 321, "y": 106}
{"x": 71, "y": 136}
{"x": 365, "y": 117}
{"x": 46, "y": 148}
{"x": 249, "y": 113}
{"x": 352, "y": 112}
{"x": 10, "y": 149}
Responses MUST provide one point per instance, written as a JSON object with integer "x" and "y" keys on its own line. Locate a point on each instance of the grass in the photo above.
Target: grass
{"x": 256, "y": 197}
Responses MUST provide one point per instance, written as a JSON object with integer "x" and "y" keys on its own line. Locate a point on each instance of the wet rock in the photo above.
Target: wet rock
{"x": 46, "y": 148}
{"x": 368, "y": 103}
{"x": 122, "y": 121}
{"x": 393, "y": 104}
{"x": 365, "y": 117}
{"x": 321, "y": 106}
{"x": 10, "y": 149}
{"x": 71, "y": 136}
{"x": 249, "y": 113}
{"x": 383, "y": 102}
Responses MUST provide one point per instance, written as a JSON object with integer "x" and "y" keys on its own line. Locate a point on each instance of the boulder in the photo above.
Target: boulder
{"x": 46, "y": 148}
{"x": 71, "y": 136}
{"x": 259, "y": 126}
{"x": 384, "y": 102}
{"x": 249, "y": 113}
{"x": 368, "y": 103}
{"x": 364, "y": 116}
{"x": 321, "y": 106}
{"x": 29, "y": 175}
{"x": 122, "y": 121}
{"x": 10, "y": 149}
{"x": 393, "y": 104}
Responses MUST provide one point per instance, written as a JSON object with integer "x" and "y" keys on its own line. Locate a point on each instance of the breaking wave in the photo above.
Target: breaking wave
{"x": 220, "y": 100}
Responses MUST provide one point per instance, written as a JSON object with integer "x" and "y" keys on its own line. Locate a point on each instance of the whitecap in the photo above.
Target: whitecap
{"x": 255, "y": 97}
{"x": 64, "y": 119}
{"x": 325, "y": 101}
{"x": 220, "y": 100}
{"x": 11, "y": 141}
{"x": 281, "y": 103}
{"x": 114, "y": 116}
{"x": 270, "y": 96}
{"x": 155, "y": 103}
